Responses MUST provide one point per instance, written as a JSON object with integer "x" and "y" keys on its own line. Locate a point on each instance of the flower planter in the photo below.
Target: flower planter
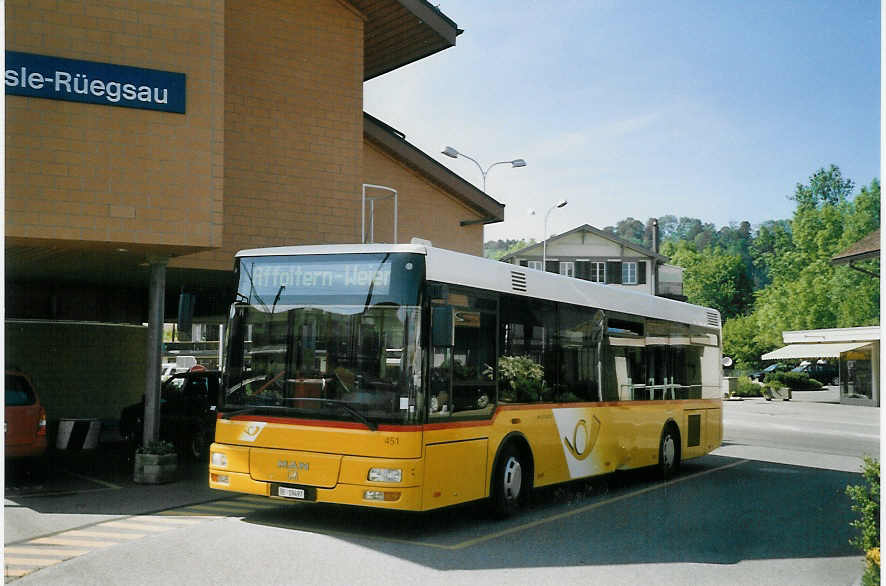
{"x": 155, "y": 468}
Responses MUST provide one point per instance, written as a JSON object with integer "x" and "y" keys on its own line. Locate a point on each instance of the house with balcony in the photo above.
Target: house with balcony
{"x": 595, "y": 255}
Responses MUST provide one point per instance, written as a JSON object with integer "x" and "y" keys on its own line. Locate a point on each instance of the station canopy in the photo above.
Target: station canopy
{"x": 814, "y": 350}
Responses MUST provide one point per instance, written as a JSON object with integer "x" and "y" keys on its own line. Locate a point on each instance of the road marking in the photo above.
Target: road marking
{"x": 525, "y": 526}
{"x": 75, "y": 542}
{"x": 40, "y": 550}
{"x": 41, "y": 562}
{"x": 184, "y": 513}
{"x": 133, "y": 523}
{"x": 583, "y": 509}
{"x": 156, "y": 523}
{"x": 17, "y": 573}
{"x": 229, "y": 508}
{"x": 174, "y": 520}
{"x": 111, "y": 534}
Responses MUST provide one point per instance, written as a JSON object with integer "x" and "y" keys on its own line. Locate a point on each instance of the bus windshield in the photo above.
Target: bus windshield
{"x": 322, "y": 337}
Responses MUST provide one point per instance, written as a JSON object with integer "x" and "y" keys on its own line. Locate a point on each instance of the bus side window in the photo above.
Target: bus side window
{"x": 473, "y": 355}
{"x": 579, "y": 332}
{"x": 463, "y": 362}
{"x": 527, "y": 335}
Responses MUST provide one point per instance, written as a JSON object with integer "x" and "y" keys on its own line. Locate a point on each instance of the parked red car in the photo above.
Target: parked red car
{"x": 25, "y": 418}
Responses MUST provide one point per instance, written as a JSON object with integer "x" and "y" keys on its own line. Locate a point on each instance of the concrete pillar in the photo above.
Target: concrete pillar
{"x": 157, "y": 291}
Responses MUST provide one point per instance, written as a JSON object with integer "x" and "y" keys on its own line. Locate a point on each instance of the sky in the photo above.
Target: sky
{"x": 707, "y": 109}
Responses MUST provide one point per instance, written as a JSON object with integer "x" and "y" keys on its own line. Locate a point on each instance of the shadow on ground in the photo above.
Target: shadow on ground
{"x": 751, "y": 510}
{"x": 718, "y": 510}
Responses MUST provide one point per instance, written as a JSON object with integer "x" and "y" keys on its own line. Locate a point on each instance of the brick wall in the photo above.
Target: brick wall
{"x": 293, "y": 126}
{"x": 425, "y": 211}
{"x": 270, "y": 151}
{"x": 110, "y": 174}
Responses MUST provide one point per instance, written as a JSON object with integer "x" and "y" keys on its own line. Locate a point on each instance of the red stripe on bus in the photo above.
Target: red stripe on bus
{"x": 459, "y": 424}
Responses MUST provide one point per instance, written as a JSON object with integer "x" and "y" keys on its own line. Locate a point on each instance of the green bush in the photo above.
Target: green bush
{"x": 745, "y": 387}
{"x": 866, "y": 502}
{"x": 796, "y": 381}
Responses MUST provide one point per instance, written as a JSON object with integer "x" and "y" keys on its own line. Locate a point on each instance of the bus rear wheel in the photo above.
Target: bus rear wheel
{"x": 511, "y": 483}
{"x": 669, "y": 452}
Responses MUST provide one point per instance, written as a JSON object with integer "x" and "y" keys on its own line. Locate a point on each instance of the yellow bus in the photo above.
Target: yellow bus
{"x": 410, "y": 377}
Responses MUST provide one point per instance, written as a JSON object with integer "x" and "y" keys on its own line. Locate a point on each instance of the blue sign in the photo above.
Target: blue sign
{"x": 56, "y": 78}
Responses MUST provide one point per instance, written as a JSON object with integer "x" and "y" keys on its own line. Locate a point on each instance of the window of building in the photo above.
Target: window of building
{"x": 537, "y": 265}
{"x": 629, "y": 273}
{"x": 598, "y": 272}
{"x": 567, "y": 269}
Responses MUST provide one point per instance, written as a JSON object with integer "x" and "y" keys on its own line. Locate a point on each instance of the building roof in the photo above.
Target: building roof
{"x": 813, "y": 350}
{"x": 398, "y": 32}
{"x": 854, "y": 334}
{"x": 824, "y": 343}
{"x": 866, "y": 248}
{"x": 536, "y": 248}
{"x": 394, "y": 143}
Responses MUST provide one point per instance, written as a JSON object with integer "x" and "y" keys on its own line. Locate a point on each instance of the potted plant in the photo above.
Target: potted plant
{"x": 155, "y": 463}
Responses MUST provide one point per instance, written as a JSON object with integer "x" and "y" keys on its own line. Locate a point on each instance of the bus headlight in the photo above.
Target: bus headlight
{"x": 385, "y": 475}
{"x": 379, "y": 495}
{"x": 220, "y": 478}
{"x": 219, "y": 460}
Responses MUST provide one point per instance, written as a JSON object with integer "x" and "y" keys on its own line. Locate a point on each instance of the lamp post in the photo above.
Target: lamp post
{"x": 544, "y": 246}
{"x": 453, "y": 153}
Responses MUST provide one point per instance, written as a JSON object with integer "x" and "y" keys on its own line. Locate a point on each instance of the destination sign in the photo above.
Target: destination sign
{"x": 318, "y": 278}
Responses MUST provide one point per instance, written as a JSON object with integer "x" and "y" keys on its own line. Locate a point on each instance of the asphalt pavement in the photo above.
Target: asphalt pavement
{"x": 87, "y": 491}
{"x": 79, "y": 489}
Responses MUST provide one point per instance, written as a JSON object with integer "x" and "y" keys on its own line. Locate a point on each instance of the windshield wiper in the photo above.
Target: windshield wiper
{"x": 344, "y": 404}
{"x": 253, "y": 409}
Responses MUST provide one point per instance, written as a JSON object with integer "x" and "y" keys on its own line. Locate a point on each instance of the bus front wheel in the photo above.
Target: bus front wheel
{"x": 669, "y": 452}
{"x": 511, "y": 482}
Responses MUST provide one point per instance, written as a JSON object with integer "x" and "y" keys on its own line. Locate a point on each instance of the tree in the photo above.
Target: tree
{"x": 495, "y": 249}
{"x": 741, "y": 341}
{"x": 773, "y": 240}
{"x": 806, "y": 290}
{"x": 826, "y": 187}
{"x": 629, "y": 229}
{"x": 716, "y": 279}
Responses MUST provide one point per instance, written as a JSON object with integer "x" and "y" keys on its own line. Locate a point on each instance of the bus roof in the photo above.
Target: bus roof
{"x": 458, "y": 268}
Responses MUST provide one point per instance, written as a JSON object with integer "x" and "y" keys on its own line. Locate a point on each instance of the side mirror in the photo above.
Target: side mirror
{"x": 442, "y": 330}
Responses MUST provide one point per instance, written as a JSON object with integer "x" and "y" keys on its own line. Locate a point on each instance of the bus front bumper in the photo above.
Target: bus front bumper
{"x": 381, "y": 495}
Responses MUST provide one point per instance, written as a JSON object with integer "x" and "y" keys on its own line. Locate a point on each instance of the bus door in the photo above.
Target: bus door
{"x": 462, "y": 385}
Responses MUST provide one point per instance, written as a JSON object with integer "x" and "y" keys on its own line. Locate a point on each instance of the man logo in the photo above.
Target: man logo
{"x": 583, "y": 439}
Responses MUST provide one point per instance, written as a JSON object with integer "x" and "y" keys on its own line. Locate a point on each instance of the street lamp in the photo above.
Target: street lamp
{"x": 544, "y": 246}
{"x": 451, "y": 152}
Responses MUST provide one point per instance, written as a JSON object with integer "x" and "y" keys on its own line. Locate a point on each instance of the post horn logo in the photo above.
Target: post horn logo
{"x": 583, "y": 439}
{"x": 251, "y": 431}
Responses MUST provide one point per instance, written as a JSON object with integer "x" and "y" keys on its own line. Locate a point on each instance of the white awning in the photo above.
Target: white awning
{"x": 816, "y": 350}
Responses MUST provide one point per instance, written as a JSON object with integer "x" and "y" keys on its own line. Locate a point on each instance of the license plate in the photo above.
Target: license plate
{"x": 294, "y": 493}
